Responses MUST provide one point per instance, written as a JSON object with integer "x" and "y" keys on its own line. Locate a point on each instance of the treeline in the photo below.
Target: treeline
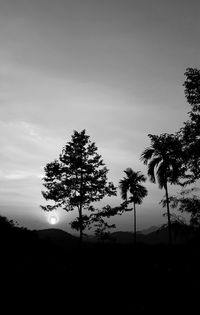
{"x": 78, "y": 178}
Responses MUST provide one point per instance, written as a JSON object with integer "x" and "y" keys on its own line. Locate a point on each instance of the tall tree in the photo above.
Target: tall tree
{"x": 190, "y": 133}
{"x": 164, "y": 161}
{"x": 77, "y": 179}
{"x": 132, "y": 184}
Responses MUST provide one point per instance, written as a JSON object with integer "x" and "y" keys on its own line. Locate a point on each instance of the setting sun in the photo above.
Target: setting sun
{"x": 53, "y": 219}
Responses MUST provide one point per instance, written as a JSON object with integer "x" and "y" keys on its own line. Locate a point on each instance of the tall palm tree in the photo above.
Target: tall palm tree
{"x": 132, "y": 184}
{"x": 162, "y": 159}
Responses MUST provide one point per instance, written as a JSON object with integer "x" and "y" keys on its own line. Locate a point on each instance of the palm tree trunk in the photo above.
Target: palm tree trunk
{"x": 168, "y": 216}
{"x": 134, "y": 211}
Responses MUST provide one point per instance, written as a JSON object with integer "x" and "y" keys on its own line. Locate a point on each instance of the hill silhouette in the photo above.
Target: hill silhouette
{"x": 158, "y": 236}
{"x": 57, "y": 237}
{"x": 151, "y": 236}
{"x": 149, "y": 230}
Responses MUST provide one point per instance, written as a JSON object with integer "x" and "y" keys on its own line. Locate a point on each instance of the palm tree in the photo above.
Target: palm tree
{"x": 162, "y": 157}
{"x": 132, "y": 184}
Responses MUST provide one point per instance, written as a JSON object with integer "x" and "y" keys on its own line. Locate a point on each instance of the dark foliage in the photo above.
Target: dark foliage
{"x": 189, "y": 135}
{"x": 192, "y": 88}
{"x": 164, "y": 162}
{"x": 13, "y": 237}
{"x": 188, "y": 201}
{"x": 164, "y": 159}
{"x": 131, "y": 184}
{"x": 77, "y": 179}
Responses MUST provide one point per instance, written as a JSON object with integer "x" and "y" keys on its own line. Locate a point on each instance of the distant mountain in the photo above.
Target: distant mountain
{"x": 152, "y": 235}
{"x": 158, "y": 236}
{"x": 128, "y": 237}
{"x": 58, "y": 237}
{"x": 149, "y": 230}
{"x": 123, "y": 237}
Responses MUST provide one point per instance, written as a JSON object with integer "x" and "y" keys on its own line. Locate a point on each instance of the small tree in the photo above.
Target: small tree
{"x": 77, "y": 179}
{"x": 132, "y": 184}
{"x": 98, "y": 221}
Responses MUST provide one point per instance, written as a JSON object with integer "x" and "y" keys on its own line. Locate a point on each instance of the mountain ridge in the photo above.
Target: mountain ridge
{"x": 151, "y": 235}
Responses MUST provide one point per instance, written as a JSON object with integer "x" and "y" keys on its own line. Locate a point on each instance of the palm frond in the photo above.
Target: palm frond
{"x": 131, "y": 184}
{"x": 147, "y": 155}
{"x": 140, "y": 177}
{"x": 139, "y": 194}
{"x": 162, "y": 175}
{"x": 174, "y": 172}
{"x": 124, "y": 187}
{"x": 151, "y": 168}
{"x": 129, "y": 172}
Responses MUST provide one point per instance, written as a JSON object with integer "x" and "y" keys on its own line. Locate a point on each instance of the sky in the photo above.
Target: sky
{"x": 112, "y": 67}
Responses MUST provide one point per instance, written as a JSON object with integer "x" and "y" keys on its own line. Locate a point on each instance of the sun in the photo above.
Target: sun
{"x": 53, "y": 219}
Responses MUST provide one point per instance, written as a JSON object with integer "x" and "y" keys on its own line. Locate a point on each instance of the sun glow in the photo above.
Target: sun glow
{"x": 53, "y": 219}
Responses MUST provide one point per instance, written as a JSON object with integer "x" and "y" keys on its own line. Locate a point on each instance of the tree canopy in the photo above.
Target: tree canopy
{"x": 77, "y": 179}
{"x": 189, "y": 134}
{"x": 132, "y": 183}
{"x": 164, "y": 159}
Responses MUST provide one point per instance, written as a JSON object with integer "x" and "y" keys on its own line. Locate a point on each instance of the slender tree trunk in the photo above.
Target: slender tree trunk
{"x": 80, "y": 210}
{"x": 81, "y": 226}
{"x": 134, "y": 211}
{"x": 168, "y": 216}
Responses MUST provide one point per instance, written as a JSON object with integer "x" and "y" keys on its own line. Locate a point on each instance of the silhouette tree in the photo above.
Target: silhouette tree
{"x": 102, "y": 228}
{"x": 164, "y": 157}
{"x": 188, "y": 201}
{"x": 190, "y": 133}
{"x": 132, "y": 184}
{"x": 97, "y": 220}
{"x": 77, "y": 179}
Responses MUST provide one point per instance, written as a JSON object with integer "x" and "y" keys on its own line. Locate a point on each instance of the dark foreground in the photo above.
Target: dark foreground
{"x": 39, "y": 277}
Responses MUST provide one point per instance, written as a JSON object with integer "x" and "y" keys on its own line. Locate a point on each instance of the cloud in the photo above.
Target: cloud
{"x": 21, "y": 175}
{"x": 25, "y": 150}
{"x": 114, "y": 68}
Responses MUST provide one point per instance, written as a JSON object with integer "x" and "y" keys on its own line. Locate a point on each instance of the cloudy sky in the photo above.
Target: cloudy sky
{"x": 112, "y": 67}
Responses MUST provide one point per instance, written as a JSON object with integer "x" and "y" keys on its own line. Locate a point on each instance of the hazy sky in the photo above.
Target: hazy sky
{"x": 112, "y": 67}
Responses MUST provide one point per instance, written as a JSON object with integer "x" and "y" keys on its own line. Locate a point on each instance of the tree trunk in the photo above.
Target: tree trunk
{"x": 80, "y": 209}
{"x": 134, "y": 211}
{"x": 81, "y": 227}
{"x": 168, "y": 216}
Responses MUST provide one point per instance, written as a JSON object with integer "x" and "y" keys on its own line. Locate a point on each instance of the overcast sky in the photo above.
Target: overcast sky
{"x": 112, "y": 67}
